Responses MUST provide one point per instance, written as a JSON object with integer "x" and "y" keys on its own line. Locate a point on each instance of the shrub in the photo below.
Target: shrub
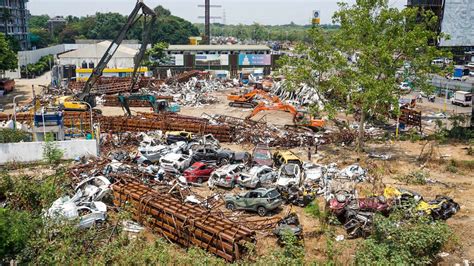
{"x": 8, "y": 135}
{"x": 418, "y": 177}
{"x": 398, "y": 240}
{"x": 15, "y": 230}
{"x": 51, "y": 153}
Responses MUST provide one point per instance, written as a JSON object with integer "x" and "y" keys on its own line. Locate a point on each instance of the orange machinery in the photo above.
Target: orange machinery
{"x": 299, "y": 118}
{"x": 247, "y": 100}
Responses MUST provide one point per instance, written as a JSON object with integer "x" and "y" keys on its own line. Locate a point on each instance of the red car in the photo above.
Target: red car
{"x": 198, "y": 172}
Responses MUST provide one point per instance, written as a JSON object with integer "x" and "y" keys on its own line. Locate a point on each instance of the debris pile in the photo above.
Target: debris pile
{"x": 184, "y": 223}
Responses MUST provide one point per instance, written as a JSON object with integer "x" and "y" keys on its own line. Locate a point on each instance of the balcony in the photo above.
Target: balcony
{"x": 425, "y": 3}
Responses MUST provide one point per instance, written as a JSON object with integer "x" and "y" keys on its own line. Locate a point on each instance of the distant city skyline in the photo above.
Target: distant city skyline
{"x": 272, "y": 12}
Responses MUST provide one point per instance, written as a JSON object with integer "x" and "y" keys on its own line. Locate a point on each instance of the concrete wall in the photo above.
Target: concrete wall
{"x": 33, "y": 151}
{"x": 33, "y": 56}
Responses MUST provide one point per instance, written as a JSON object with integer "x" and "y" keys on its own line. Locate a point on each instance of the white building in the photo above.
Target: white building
{"x": 90, "y": 55}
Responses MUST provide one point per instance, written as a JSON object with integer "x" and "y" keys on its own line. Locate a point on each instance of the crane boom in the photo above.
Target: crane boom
{"x": 98, "y": 70}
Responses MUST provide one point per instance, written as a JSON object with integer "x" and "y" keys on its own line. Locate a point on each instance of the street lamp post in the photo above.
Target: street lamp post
{"x": 14, "y": 111}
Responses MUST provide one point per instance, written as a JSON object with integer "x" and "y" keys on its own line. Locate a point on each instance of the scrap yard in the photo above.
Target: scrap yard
{"x": 242, "y": 151}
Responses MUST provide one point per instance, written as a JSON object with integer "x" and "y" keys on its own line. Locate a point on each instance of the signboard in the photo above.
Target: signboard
{"x": 172, "y": 60}
{"x": 255, "y": 59}
{"x": 211, "y": 60}
{"x": 316, "y": 17}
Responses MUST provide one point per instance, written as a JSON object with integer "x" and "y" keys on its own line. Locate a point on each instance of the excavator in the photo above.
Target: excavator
{"x": 300, "y": 119}
{"x": 246, "y": 100}
{"x": 157, "y": 105}
{"x": 149, "y": 18}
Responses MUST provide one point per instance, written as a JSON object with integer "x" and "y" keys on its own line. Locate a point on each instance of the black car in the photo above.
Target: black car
{"x": 222, "y": 156}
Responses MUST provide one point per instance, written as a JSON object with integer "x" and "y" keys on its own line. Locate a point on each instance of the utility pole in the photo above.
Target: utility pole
{"x": 207, "y": 19}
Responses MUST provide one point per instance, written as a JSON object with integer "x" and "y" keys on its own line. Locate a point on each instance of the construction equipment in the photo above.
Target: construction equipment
{"x": 247, "y": 100}
{"x": 68, "y": 103}
{"x": 157, "y": 105}
{"x": 300, "y": 119}
{"x": 133, "y": 18}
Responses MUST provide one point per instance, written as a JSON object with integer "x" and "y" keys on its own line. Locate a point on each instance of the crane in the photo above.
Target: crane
{"x": 299, "y": 118}
{"x": 133, "y": 18}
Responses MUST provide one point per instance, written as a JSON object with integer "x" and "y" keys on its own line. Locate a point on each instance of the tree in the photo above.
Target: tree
{"x": 8, "y": 59}
{"x": 379, "y": 41}
{"x": 155, "y": 54}
{"x": 257, "y": 32}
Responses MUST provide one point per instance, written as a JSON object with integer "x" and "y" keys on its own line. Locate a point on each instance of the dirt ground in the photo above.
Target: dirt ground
{"x": 457, "y": 185}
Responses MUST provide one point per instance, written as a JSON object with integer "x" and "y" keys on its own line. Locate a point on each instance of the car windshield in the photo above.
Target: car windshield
{"x": 294, "y": 161}
{"x": 273, "y": 194}
{"x": 262, "y": 156}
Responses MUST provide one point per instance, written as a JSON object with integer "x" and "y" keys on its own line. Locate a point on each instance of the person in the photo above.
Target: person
{"x": 309, "y": 153}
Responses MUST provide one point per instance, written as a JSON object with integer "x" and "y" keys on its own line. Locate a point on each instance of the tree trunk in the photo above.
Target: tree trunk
{"x": 360, "y": 139}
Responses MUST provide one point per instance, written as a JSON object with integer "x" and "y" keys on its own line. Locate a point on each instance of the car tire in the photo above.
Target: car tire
{"x": 199, "y": 180}
{"x": 223, "y": 161}
{"x": 230, "y": 206}
{"x": 261, "y": 211}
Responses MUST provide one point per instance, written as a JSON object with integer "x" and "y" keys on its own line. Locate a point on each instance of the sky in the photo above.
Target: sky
{"x": 271, "y": 12}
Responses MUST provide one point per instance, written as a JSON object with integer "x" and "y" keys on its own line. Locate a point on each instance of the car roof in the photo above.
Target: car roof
{"x": 198, "y": 164}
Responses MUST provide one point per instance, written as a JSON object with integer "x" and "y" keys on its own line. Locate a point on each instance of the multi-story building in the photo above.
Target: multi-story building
{"x": 14, "y": 21}
{"x": 456, "y": 19}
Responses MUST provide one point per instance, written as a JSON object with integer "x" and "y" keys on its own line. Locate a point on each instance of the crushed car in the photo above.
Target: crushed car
{"x": 288, "y": 225}
{"x": 198, "y": 172}
{"x": 225, "y": 176}
{"x": 209, "y": 154}
{"x": 257, "y": 176}
{"x": 261, "y": 155}
{"x": 289, "y": 174}
{"x": 175, "y": 162}
{"x": 261, "y": 200}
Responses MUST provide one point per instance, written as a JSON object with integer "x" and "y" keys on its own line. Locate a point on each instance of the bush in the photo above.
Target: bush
{"x": 51, "y": 153}
{"x": 398, "y": 240}
{"x": 38, "y": 68}
{"x": 418, "y": 177}
{"x": 15, "y": 230}
{"x": 8, "y": 135}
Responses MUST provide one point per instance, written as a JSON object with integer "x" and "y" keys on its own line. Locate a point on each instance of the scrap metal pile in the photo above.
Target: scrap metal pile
{"x": 184, "y": 223}
{"x": 302, "y": 96}
{"x": 112, "y": 85}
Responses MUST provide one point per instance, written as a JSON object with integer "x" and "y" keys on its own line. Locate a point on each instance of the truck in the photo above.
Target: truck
{"x": 6, "y": 86}
{"x": 462, "y": 98}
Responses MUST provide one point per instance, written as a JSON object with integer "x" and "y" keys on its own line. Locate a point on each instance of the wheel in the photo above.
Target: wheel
{"x": 223, "y": 161}
{"x": 230, "y": 206}
{"x": 199, "y": 180}
{"x": 261, "y": 211}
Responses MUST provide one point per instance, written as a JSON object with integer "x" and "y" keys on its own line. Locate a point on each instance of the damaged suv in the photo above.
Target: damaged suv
{"x": 261, "y": 200}
{"x": 226, "y": 176}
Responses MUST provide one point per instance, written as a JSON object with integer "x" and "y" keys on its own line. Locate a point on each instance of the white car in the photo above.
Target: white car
{"x": 154, "y": 153}
{"x": 314, "y": 172}
{"x": 226, "y": 176}
{"x": 256, "y": 176}
{"x": 175, "y": 162}
{"x": 289, "y": 174}
{"x": 470, "y": 65}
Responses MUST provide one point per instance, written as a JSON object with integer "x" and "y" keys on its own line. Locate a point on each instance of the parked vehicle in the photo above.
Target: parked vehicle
{"x": 289, "y": 174}
{"x": 261, "y": 200}
{"x": 175, "y": 136}
{"x": 462, "y": 98}
{"x": 286, "y": 157}
{"x": 226, "y": 176}
{"x": 211, "y": 155}
{"x": 175, "y": 162}
{"x": 198, "y": 172}
{"x": 256, "y": 176}
{"x": 261, "y": 155}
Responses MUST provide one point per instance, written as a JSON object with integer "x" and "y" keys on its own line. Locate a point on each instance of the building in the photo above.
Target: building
{"x": 232, "y": 58}
{"x": 55, "y": 23}
{"x": 14, "y": 21}
{"x": 456, "y": 18}
{"x": 86, "y": 57}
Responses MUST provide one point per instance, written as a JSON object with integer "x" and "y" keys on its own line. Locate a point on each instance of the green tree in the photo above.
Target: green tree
{"x": 38, "y": 22}
{"x": 383, "y": 40}
{"x": 156, "y": 54}
{"x": 257, "y": 32}
{"x": 8, "y": 59}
